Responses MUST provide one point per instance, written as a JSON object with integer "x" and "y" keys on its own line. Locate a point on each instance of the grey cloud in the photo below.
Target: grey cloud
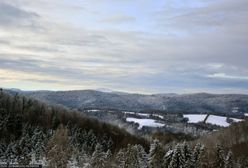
{"x": 39, "y": 48}
{"x": 53, "y": 68}
{"x": 5, "y": 42}
{"x": 11, "y": 15}
{"x": 216, "y": 14}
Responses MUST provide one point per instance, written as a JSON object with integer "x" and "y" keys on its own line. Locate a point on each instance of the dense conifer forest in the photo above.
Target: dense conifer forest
{"x": 33, "y": 132}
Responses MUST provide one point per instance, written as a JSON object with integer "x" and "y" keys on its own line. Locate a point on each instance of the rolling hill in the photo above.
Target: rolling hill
{"x": 197, "y": 103}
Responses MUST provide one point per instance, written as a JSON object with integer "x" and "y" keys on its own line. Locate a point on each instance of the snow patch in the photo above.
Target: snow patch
{"x": 236, "y": 120}
{"x": 195, "y": 118}
{"x": 128, "y": 112}
{"x": 144, "y": 114}
{"x": 93, "y": 110}
{"x": 159, "y": 116}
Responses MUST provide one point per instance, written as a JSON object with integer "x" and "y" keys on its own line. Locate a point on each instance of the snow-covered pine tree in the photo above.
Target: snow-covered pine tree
{"x": 98, "y": 159}
{"x": 229, "y": 160}
{"x": 142, "y": 157}
{"x": 168, "y": 158}
{"x": 74, "y": 137}
{"x": 9, "y": 155}
{"x": 219, "y": 157}
{"x": 38, "y": 143}
{"x": 198, "y": 156}
{"x": 186, "y": 154}
{"x": 83, "y": 159}
{"x": 108, "y": 158}
{"x": 24, "y": 150}
{"x": 120, "y": 159}
{"x": 156, "y": 154}
{"x": 104, "y": 142}
{"x": 73, "y": 162}
{"x": 131, "y": 159}
{"x": 177, "y": 160}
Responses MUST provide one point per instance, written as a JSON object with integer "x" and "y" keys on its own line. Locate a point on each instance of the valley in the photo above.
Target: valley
{"x": 192, "y": 124}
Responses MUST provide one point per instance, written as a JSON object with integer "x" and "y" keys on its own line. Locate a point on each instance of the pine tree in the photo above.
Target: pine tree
{"x": 24, "y": 150}
{"x": 38, "y": 143}
{"x": 177, "y": 160}
{"x": 156, "y": 154}
{"x": 186, "y": 155}
{"x": 108, "y": 159}
{"x": 90, "y": 141}
{"x": 198, "y": 157}
{"x": 83, "y": 159}
{"x": 229, "y": 160}
{"x": 120, "y": 159}
{"x": 142, "y": 157}
{"x": 73, "y": 162}
{"x": 10, "y": 153}
{"x": 98, "y": 159}
{"x": 219, "y": 157}
{"x": 167, "y": 158}
{"x": 131, "y": 159}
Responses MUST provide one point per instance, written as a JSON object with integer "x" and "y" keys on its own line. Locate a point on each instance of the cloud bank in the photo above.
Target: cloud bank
{"x": 137, "y": 46}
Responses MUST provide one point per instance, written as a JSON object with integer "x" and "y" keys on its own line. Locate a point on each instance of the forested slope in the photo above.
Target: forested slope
{"x": 197, "y": 103}
{"x": 27, "y": 126}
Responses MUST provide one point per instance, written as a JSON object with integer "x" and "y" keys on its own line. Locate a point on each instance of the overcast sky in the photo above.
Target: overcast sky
{"x": 145, "y": 46}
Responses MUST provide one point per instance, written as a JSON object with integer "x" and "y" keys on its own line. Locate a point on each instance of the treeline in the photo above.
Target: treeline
{"x": 61, "y": 150}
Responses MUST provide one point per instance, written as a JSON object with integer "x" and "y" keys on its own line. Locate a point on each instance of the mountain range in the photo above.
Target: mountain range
{"x": 93, "y": 99}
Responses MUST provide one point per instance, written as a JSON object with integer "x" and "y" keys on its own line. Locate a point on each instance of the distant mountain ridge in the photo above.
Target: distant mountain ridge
{"x": 197, "y": 103}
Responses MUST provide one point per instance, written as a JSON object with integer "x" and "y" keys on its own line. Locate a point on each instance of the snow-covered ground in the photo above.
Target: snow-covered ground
{"x": 195, "y": 118}
{"x": 212, "y": 119}
{"x": 159, "y": 116}
{"x": 93, "y": 110}
{"x": 246, "y": 114}
{"x": 144, "y": 122}
{"x": 140, "y": 114}
{"x": 236, "y": 119}
{"x": 128, "y": 112}
{"x": 143, "y": 114}
{"x": 217, "y": 120}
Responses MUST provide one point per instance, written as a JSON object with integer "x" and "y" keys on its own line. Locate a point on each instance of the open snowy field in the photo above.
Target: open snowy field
{"x": 145, "y": 122}
{"x": 212, "y": 119}
{"x": 217, "y": 120}
{"x": 195, "y": 118}
{"x": 221, "y": 121}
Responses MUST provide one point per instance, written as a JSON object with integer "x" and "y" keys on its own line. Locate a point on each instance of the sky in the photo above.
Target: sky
{"x": 142, "y": 46}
